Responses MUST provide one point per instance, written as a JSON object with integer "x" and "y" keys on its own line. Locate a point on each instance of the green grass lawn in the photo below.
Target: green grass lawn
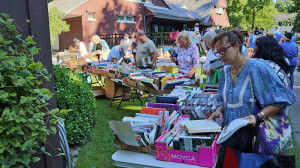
{"x": 99, "y": 149}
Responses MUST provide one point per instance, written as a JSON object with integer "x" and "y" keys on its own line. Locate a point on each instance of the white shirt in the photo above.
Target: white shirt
{"x": 209, "y": 57}
{"x": 82, "y": 49}
{"x": 197, "y": 39}
{"x": 196, "y": 28}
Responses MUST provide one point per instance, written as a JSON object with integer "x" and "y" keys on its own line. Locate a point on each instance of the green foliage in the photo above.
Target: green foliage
{"x": 295, "y": 7}
{"x": 56, "y": 24}
{"x": 240, "y": 12}
{"x": 73, "y": 93}
{"x": 22, "y": 102}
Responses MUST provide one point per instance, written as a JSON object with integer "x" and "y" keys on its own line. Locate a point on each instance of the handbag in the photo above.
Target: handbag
{"x": 274, "y": 135}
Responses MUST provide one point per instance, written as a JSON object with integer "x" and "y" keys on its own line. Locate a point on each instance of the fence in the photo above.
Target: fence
{"x": 159, "y": 38}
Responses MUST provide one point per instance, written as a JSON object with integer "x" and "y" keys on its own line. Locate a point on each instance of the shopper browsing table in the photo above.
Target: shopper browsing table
{"x": 79, "y": 47}
{"x": 241, "y": 80}
{"x": 188, "y": 55}
{"x": 145, "y": 49}
{"x": 117, "y": 53}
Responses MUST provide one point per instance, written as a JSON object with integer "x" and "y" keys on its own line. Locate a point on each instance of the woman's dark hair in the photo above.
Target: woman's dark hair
{"x": 268, "y": 48}
{"x": 233, "y": 37}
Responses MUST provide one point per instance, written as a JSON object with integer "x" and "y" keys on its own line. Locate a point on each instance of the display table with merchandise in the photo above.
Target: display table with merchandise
{"x": 124, "y": 158}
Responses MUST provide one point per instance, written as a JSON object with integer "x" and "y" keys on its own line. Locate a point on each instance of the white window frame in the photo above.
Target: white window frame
{"x": 126, "y": 19}
{"x": 91, "y": 19}
{"x": 219, "y": 10}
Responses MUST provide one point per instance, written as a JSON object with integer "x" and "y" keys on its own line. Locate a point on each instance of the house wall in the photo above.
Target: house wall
{"x": 66, "y": 38}
{"x": 219, "y": 20}
{"x": 106, "y": 14}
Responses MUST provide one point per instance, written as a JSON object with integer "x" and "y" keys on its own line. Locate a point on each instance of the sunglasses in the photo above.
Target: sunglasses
{"x": 222, "y": 51}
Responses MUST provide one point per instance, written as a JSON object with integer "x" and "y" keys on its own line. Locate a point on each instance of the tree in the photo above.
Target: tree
{"x": 296, "y": 8}
{"x": 283, "y": 5}
{"x": 246, "y": 13}
{"x": 56, "y": 24}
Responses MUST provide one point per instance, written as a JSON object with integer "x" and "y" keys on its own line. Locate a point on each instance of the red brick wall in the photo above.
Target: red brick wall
{"x": 106, "y": 12}
{"x": 66, "y": 39}
{"x": 219, "y": 20}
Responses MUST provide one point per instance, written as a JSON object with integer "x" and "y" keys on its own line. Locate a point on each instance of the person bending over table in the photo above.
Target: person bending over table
{"x": 188, "y": 55}
{"x": 117, "y": 53}
{"x": 79, "y": 47}
{"x": 243, "y": 79}
{"x": 145, "y": 49}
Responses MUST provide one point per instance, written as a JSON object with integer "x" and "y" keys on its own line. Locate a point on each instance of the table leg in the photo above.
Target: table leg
{"x": 124, "y": 92}
{"x": 138, "y": 96}
{"x": 116, "y": 88}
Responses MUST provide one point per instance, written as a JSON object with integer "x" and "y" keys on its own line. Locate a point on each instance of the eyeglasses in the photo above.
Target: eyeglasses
{"x": 222, "y": 51}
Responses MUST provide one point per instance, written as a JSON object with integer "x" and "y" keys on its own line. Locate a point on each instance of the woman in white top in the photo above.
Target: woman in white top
{"x": 208, "y": 37}
{"x": 79, "y": 47}
{"x": 126, "y": 40}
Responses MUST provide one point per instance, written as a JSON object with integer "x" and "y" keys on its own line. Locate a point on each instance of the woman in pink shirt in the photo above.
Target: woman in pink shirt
{"x": 188, "y": 55}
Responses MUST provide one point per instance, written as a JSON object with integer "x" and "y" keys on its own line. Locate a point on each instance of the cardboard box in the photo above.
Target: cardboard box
{"x": 71, "y": 65}
{"x": 157, "y": 92}
{"x": 149, "y": 149}
{"x": 207, "y": 155}
{"x": 98, "y": 91}
{"x": 127, "y": 81}
{"x": 110, "y": 89}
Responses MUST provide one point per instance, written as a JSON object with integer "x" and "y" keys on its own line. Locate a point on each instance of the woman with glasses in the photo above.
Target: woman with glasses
{"x": 243, "y": 79}
{"x": 188, "y": 55}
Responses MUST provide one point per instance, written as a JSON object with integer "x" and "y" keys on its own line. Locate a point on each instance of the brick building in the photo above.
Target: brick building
{"x": 87, "y": 17}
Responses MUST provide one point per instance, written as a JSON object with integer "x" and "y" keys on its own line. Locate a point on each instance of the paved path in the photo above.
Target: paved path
{"x": 294, "y": 113}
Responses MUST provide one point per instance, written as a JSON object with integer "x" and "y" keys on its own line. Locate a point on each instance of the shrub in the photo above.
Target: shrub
{"x": 73, "y": 93}
{"x": 22, "y": 102}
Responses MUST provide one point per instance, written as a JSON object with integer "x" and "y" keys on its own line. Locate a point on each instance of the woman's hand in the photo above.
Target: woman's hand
{"x": 252, "y": 120}
{"x": 216, "y": 114}
{"x": 173, "y": 59}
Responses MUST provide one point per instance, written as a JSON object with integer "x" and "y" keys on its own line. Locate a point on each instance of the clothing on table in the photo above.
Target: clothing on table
{"x": 244, "y": 50}
{"x": 291, "y": 51}
{"x": 187, "y": 58}
{"x": 144, "y": 50}
{"x": 277, "y": 35}
{"x": 209, "y": 57}
{"x": 267, "y": 87}
{"x": 82, "y": 49}
{"x": 252, "y": 41}
{"x": 115, "y": 53}
{"x": 173, "y": 35}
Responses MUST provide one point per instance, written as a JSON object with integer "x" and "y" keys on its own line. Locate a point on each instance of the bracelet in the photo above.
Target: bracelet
{"x": 257, "y": 119}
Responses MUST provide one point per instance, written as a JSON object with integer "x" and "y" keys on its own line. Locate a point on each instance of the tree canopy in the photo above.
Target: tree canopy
{"x": 56, "y": 24}
{"x": 243, "y": 12}
{"x": 295, "y": 7}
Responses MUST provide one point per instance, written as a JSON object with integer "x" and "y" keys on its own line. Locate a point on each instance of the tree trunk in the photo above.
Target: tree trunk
{"x": 253, "y": 19}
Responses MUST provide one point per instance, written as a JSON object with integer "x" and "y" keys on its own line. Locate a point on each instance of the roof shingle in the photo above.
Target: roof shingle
{"x": 66, "y": 6}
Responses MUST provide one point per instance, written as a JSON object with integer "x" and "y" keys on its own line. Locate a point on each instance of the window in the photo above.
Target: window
{"x": 125, "y": 19}
{"x": 91, "y": 16}
{"x": 279, "y": 23}
{"x": 219, "y": 10}
{"x": 148, "y": 1}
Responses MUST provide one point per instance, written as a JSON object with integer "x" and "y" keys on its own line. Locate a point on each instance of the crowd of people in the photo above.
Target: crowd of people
{"x": 257, "y": 72}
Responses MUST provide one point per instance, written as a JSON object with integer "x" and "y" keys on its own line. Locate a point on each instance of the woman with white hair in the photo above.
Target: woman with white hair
{"x": 188, "y": 55}
{"x": 208, "y": 37}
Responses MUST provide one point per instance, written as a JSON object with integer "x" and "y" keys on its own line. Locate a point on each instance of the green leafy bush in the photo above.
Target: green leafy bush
{"x": 73, "y": 93}
{"x": 23, "y": 103}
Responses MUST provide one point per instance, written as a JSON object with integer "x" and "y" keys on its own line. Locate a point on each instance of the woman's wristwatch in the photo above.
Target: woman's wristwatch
{"x": 264, "y": 117}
